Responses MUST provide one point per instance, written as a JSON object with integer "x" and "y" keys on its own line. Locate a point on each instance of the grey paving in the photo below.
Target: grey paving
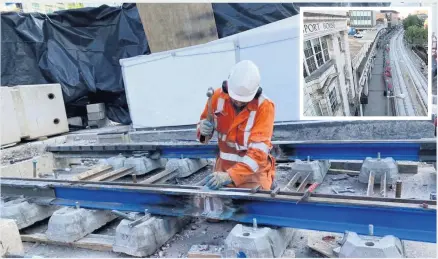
{"x": 377, "y": 102}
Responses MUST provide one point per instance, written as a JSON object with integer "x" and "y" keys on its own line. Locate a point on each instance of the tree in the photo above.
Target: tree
{"x": 416, "y": 35}
{"x": 412, "y": 20}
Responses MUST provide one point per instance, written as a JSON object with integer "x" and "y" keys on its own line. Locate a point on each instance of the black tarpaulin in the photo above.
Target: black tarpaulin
{"x": 80, "y": 49}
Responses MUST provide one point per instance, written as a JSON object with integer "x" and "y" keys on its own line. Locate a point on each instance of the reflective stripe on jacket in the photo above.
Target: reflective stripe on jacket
{"x": 244, "y": 140}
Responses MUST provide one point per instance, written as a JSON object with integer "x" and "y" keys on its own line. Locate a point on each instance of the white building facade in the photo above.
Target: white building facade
{"x": 363, "y": 19}
{"x": 328, "y": 84}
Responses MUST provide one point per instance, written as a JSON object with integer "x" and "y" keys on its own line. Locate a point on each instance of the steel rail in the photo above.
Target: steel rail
{"x": 420, "y": 85}
{"x": 404, "y": 150}
{"x": 406, "y": 219}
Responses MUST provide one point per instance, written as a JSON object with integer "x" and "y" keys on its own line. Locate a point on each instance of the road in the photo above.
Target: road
{"x": 408, "y": 80}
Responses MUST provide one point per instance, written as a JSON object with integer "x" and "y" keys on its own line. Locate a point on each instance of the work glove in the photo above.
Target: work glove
{"x": 206, "y": 128}
{"x": 217, "y": 180}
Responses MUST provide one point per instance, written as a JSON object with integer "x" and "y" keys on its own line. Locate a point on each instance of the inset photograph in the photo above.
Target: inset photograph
{"x": 368, "y": 62}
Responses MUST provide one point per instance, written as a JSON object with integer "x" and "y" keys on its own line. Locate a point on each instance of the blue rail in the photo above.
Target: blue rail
{"x": 401, "y": 150}
{"x": 402, "y": 218}
{"x": 406, "y": 223}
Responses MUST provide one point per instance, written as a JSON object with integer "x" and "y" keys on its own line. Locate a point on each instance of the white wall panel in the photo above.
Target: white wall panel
{"x": 169, "y": 88}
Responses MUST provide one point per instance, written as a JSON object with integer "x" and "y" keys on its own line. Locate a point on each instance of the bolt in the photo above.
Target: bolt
{"x": 308, "y": 158}
{"x": 398, "y": 188}
{"x": 77, "y": 205}
{"x": 34, "y": 162}
{"x": 378, "y": 155}
{"x": 254, "y": 224}
{"x": 371, "y": 230}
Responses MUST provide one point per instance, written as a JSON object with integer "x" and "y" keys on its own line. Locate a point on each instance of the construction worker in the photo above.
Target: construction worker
{"x": 244, "y": 122}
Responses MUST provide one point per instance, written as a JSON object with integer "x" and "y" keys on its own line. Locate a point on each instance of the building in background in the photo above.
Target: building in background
{"x": 47, "y": 7}
{"x": 363, "y": 19}
{"x": 328, "y": 79}
{"x": 381, "y": 19}
{"x": 392, "y": 17}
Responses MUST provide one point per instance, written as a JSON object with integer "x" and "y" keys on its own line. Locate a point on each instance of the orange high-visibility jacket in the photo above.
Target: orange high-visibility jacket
{"x": 244, "y": 140}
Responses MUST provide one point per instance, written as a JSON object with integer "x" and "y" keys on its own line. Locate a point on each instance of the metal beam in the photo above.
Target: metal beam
{"x": 406, "y": 219}
{"x": 408, "y": 150}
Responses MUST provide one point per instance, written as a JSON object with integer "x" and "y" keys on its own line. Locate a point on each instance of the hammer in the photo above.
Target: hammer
{"x": 210, "y": 92}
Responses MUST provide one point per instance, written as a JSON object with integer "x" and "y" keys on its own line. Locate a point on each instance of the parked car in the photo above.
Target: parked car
{"x": 357, "y": 35}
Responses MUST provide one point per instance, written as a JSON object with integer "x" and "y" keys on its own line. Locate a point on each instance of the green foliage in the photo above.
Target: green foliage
{"x": 416, "y": 35}
{"x": 412, "y": 20}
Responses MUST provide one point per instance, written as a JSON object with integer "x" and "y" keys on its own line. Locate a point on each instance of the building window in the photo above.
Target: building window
{"x": 333, "y": 99}
{"x": 318, "y": 51}
{"x": 308, "y": 53}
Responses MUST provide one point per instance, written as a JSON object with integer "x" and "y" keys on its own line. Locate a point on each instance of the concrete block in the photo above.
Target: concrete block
{"x": 257, "y": 243}
{"x": 317, "y": 168}
{"x": 145, "y": 238}
{"x": 24, "y": 169}
{"x": 21, "y": 115}
{"x": 10, "y": 128}
{"x": 98, "y": 123}
{"x": 70, "y": 224}
{"x": 144, "y": 165}
{"x": 186, "y": 167}
{"x": 43, "y": 108}
{"x": 96, "y": 116}
{"x": 75, "y": 121}
{"x": 113, "y": 138}
{"x": 10, "y": 239}
{"x": 24, "y": 213}
{"x": 379, "y": 167}
{"x": 96, "y": 107}
{"x": 116, "y": 162}
{"x": 354, "y": 246}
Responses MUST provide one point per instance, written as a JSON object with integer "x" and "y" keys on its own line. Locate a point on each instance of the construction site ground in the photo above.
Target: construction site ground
{"x": 199, "y": 231}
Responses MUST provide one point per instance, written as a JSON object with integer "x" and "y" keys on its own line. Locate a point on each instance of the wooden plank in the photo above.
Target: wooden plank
{"x": 94, "y": 172}
{"x": 370, "y": 189}
{"x": 383, "y": 185}
{"x": 292, "y": 182}
{"x": 114, "y": 175}
{"x": 92, "y": 241}
{"x": 323, "y": 247}
{"x": 158, "y": 176}
{"x": 304, "y": 183}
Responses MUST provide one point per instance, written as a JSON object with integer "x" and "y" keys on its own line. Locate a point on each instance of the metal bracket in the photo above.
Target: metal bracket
{"x": 146, "y": 216}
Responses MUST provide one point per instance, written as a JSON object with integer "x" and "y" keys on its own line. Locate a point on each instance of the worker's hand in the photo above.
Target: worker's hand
{"x": 217, "y": 180}
{"x": 206, "y": 128}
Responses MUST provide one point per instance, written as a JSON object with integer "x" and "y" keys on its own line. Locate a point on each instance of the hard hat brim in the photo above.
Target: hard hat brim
{"x": 240, "y": 98}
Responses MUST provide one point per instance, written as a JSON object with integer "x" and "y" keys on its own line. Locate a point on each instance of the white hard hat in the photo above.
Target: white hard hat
{"x": 243, "y": 81}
